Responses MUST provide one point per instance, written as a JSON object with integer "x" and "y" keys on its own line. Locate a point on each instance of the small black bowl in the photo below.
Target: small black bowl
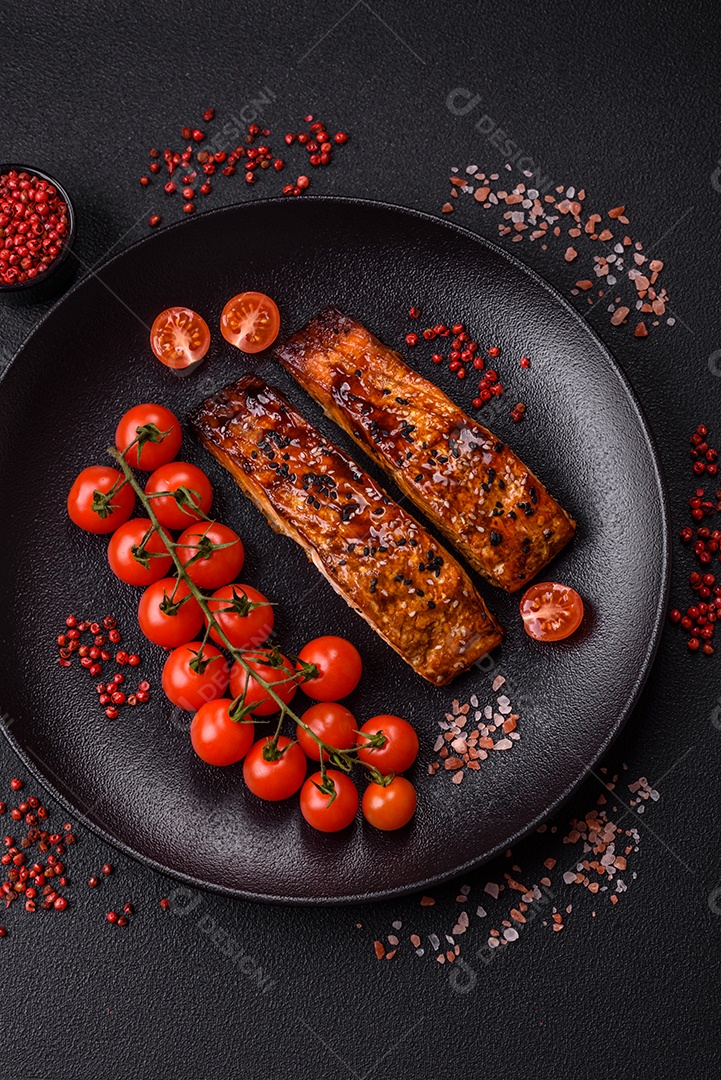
{"x": 60, "y": 272}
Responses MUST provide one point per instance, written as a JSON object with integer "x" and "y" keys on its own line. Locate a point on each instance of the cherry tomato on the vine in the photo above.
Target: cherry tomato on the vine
{"x": 192, "y": 492}
{"x": 92, "y": 507}
{"x": 331, "y": 722}
{"x": 275, "y": 669}
{"x": 179, "y": 337}
{"x": 274, "y": 771}
{"x": 137, "y": 554}
{"x": 389, "y": 806}
{"x": 158, "y": 432}
{"x": 205, "y": 564}
{"x": 244, "y": 614}
{"x": 339, "y": 668}
{"x": 168, "y": 613}
{"x": 398, "y": 752}
{"x": 326, "y": 812}
{"x": 216, "y": 738}
{"x": 250, "y": 321}
{"x": 551, "y": 612}
{"x": 195, "y": 674}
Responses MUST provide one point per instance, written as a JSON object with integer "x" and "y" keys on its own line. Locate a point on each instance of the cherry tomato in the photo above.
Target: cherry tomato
{"x": 194, "y": 493}
{"x": 391, "y": 806}
{"x": 274, "y": 773}
{"x": 275, "y": 669}
{"x": 250, "y": 321}
{"x": 339, "y": 668}
{"x": 168, "y": 613}
{"x": 246, "y": 625}
{"x": 398, "y": 752}
{"x": 210, "y": 567}
{"x": 195, "y": 674}
{"x": 151, "y": 561}
{"x": 88, "y": 505}
{"x": 179, "y": 337}
{"x": 216, "y": 738}
{"x": 333, "y": 723}
{"x": 551, "y": 612}
{"x": 156, "y": 428}
{"x": 323, "y": 811}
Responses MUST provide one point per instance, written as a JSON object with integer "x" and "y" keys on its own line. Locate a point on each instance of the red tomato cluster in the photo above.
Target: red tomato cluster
{"x": 387, "y": 805}
{"x": 197, "y": 676}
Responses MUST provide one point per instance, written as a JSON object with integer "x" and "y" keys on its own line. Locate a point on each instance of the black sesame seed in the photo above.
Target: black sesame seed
{"x": 495, "y": 538}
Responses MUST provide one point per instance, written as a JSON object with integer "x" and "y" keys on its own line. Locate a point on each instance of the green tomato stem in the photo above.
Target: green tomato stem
{"x": 236, "y": 653}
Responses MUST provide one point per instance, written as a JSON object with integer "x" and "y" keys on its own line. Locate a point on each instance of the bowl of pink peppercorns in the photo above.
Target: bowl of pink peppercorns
{"x": 37, "y": 229}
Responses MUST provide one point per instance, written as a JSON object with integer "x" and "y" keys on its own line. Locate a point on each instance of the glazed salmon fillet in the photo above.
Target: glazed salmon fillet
{"x": 466, "y": 481}
{"x": 381, "y": 560}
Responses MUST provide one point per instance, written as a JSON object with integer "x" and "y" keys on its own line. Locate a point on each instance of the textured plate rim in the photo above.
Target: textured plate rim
{"x": 645, "y": 665}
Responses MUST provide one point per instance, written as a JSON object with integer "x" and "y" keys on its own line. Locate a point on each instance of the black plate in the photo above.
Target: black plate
{"x": 136, "y": 780}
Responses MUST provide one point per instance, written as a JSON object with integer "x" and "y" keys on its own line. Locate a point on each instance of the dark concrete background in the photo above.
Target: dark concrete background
{"x": 623, "y": 102}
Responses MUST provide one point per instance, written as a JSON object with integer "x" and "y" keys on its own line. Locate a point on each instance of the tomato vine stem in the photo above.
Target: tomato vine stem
{"x": 344, "y": 759}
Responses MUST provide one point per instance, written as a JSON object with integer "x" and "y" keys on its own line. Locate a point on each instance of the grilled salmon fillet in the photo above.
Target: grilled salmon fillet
{"x": 379, "y": 558}
{"x": 468, "y": 483}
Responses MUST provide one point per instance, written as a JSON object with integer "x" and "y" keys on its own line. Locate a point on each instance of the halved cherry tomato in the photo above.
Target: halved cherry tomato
{"x": 179, "y": 337}
{"x": 216, "y": 738}
{"x": 324, "y": 811}
{"x": 551, "y": 612}
{"x": 250, "y": 321}
{"x": 398, "y": 752}
{"x": 275, "y": 669}
{"x": 168, "y": 613}
{"x": 331, "y": 722}
{"x": 339, "y": 668}
{"x": 244, "y": 615}
{"x": 274, "y": 771}
{"x": 137, "y": 554}
{"x": 389, "y": 806}
{"x": 193, "y": 493}
{"x": 209, "y": 566}
{"x": 194, "y": 674}
{"x": 158, "y": 432}
{"x": 92, "y": 508}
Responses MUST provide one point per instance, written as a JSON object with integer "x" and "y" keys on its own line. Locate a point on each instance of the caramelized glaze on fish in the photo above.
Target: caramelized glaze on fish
{"x": 381, "y": 560}
{"x": 467, "y": 482}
